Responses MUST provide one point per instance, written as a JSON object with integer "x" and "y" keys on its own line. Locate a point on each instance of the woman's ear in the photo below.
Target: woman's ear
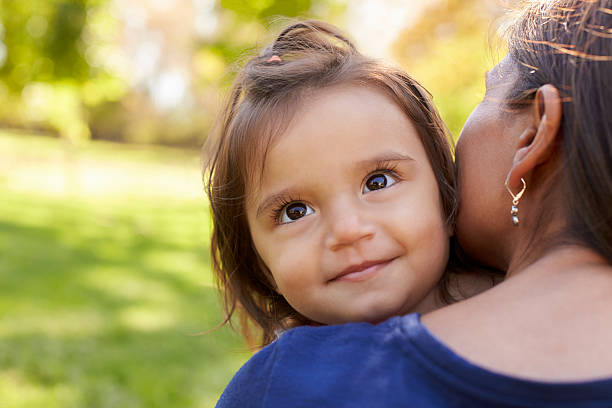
{"x": 537, "y": 142}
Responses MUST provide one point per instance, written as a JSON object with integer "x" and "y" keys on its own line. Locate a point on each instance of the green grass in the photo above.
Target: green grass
{"x": 100, "y": 295}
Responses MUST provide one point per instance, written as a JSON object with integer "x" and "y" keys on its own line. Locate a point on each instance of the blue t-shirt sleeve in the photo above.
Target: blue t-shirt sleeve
{"x": 311, "y": 366}
{"x": 248, "y": 386}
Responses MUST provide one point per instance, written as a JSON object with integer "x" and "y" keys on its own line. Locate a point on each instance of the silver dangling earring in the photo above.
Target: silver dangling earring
{"x": 515, "y": 201}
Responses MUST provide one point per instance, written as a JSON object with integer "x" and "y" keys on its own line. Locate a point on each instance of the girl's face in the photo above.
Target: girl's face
{"x": 347, "y": 217}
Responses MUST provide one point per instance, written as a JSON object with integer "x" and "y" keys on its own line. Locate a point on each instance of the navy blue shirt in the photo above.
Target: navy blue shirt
{"x": 397, "y": 363}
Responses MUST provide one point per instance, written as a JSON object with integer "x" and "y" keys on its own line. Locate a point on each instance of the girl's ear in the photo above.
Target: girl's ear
{"x": 537, "y": 143}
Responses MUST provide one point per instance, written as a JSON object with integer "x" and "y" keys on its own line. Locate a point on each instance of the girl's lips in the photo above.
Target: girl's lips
{"x": 362, "y": 271}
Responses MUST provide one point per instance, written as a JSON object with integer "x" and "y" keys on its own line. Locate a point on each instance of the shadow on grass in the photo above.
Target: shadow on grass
{"x": 121, "y": 367}
{"x": 101, "y": 301}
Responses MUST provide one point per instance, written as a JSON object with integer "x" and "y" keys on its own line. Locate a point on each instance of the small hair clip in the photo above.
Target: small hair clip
{"x": 274, "y": 58}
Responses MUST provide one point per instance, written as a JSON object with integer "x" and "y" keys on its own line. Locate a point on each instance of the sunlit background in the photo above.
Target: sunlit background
{"x": 104, "y": 267}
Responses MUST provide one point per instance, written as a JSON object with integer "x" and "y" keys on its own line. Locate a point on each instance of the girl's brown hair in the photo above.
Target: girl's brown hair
{"x": 305, "y": 57}
{"x": 568, "y": 43}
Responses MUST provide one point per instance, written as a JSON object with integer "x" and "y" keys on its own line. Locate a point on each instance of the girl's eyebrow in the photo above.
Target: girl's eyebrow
{"x": 383, "y": 158}
{"x": 369, "y": 163}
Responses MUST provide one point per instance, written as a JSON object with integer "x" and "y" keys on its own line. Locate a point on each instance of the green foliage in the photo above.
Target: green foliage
{"x": 50, "y": 73}
{"x": 263, "y": 9}
{"x": 59, "y": 74}
{"x": 44, "y": 41}
{"x": 247, "y": 24}
{"x": 102, "y": 295}
{"x": 62, "y": 71}
{"x": 448, "y": 50}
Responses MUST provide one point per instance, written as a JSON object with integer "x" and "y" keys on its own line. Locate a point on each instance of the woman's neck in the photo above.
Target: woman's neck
{"x": 548, "y": 321}
{"x": 556, "y": 260}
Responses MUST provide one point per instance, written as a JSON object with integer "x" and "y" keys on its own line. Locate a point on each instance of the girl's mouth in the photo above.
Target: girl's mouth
{"x": 362, "y": 271}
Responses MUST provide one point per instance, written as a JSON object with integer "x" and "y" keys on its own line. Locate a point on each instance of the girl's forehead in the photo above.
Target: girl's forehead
{"x": 343, "y": 125}
{"x": 332, "y": 110}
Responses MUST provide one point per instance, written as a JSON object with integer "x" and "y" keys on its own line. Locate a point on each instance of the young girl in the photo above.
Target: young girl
{"x": 332, "y": 187}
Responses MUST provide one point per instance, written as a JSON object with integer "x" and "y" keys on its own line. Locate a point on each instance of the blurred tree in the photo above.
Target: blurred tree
{"x": 40, "y": 39}
{"x": 140, "y": 71}
{"x": 448, "y": 50}
{"x": 146, "y": 71}
{"x": 50, "y": 68}
{"x": 245, "y": 21}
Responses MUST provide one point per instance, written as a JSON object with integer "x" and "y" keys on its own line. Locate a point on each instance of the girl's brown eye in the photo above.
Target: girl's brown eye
{"x": 377, "y": 182}
{"x": 294, "y": 212}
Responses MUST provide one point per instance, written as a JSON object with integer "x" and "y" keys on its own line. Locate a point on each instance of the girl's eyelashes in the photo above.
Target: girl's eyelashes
{"x": 382, "y": 177}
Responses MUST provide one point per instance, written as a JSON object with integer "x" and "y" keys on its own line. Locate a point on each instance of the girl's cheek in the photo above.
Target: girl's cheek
{"x": 291, "y": 271}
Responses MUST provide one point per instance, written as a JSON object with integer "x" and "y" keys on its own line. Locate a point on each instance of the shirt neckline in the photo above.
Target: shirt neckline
{"x": 453, "y": 369}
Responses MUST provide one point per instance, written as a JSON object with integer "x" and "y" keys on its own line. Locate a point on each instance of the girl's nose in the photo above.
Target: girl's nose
{"x": 348, "y": 224}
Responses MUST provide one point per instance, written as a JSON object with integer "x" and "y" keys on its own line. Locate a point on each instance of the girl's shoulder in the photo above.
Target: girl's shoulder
{"x": 304, "y": 358}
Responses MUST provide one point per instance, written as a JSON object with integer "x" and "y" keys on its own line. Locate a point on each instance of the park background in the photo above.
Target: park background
{"x": 105, "y": 281}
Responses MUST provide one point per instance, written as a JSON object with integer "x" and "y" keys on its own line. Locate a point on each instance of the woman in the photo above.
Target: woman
{"x": 545, "y": 119}
{"x": 535, "y": 174}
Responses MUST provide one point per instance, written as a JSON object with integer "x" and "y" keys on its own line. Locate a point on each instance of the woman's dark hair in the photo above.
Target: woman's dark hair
{"x": 568, "y": 43}
{"x": 305, "y": 57}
